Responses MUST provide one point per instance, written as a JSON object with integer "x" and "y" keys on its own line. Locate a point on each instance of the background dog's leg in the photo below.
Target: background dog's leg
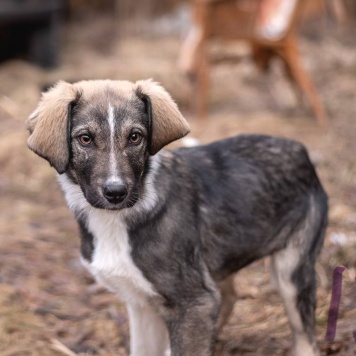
{"x": 148, "y": 332}
{"x": 296, "y": 285}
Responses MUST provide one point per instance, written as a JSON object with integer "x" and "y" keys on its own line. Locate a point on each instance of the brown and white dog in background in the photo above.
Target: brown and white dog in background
{"x": 165, "y": 230}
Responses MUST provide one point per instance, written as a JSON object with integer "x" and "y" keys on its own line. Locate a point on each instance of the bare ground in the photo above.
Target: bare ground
{"x": 50, "y": 306}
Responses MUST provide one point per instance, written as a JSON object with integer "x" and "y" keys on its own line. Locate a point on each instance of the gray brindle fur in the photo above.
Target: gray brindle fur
{"x": 165, "y": 230}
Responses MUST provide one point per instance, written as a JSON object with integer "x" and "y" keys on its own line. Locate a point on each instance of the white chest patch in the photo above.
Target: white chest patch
{"x": 112, "y": 264}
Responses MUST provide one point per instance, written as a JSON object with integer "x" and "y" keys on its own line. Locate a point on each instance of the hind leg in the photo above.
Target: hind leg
{"x": 295, "y": 277}
{"x": 228, "y": 299}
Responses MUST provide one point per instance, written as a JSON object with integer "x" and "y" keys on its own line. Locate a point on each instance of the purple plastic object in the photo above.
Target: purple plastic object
{"x": 334, "y": 304}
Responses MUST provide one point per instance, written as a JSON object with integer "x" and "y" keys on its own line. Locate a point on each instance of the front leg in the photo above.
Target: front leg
{"x": 148, "y": 332}
{"x": 192, "y": 325}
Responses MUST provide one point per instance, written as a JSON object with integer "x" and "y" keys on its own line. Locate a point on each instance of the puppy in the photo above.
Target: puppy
{"x": 165, "y": 230}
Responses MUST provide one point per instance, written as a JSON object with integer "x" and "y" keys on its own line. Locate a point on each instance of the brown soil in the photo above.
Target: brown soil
{"x": 50, "y": 306}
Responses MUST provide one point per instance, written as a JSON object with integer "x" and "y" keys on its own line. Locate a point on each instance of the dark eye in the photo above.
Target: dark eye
{"x": 135, "y": 138}
{"x": 85, "y": 140}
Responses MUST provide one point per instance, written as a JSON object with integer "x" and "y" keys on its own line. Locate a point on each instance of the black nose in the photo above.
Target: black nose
{"x": 115, "y": 193}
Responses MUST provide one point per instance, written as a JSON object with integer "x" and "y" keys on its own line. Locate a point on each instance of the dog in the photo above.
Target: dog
{"x": 165, "y": 230}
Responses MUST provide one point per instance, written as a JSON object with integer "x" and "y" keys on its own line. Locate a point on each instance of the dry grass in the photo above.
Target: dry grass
{"x": 48, "y": 303}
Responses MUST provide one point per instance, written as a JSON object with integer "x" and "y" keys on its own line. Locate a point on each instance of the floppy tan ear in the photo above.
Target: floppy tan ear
{"x": 168, "y": 124}
{"x": 48, "y": 125}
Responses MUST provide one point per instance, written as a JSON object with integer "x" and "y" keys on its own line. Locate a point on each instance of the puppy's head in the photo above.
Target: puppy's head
{"x": 100, "y": 133}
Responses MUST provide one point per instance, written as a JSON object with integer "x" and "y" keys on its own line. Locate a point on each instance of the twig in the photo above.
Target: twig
{"x": 58, "y": 346}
